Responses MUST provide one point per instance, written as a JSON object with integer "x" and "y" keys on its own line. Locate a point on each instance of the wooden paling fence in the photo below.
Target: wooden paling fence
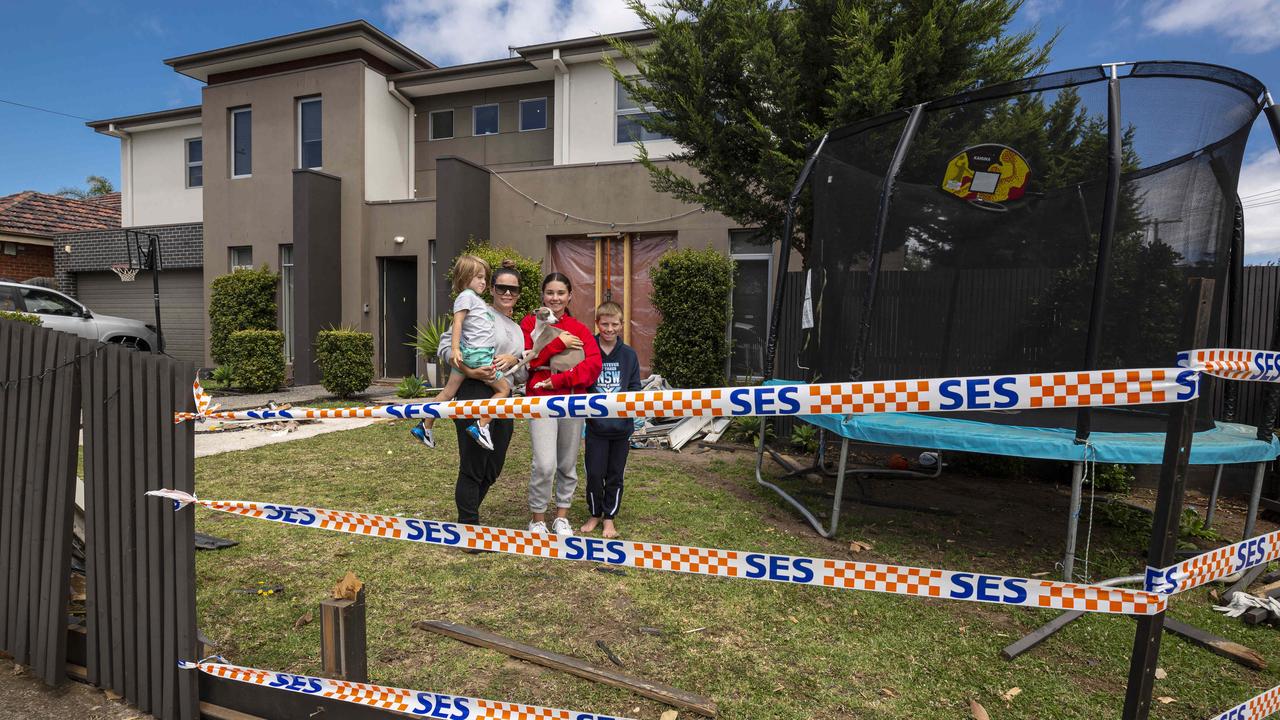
{"x": 139, "y": 554}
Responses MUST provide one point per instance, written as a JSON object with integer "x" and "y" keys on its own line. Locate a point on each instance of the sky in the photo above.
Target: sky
{"x": 93, "y": 60}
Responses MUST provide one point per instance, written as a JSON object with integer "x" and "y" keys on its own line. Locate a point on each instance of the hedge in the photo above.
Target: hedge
{"x": 256, "y": 358}
{"x": 21, "y": 317}
{"x": 241, "y": 300}
{"x": 345, "y": 358}
{"x": 530, "y": 274}
{"x": 691, "y": 290}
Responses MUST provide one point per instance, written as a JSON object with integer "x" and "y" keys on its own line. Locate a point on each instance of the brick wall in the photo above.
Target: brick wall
{"x": 30, "y": 261}
{"x": 181, "y": 246}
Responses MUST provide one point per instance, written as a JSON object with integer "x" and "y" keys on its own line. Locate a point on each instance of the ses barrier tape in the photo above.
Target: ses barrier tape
{"x": 1255, "y": 708}
{"x": 992, "y": 392}
{"x": 424, "y": 704}
{"x": 841, "y": 574}
{"x": 1253, "y": 365}
{"x": 1213, "y": 565}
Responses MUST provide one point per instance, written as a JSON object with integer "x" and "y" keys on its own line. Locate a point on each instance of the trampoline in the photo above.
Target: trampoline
{"x": 1047, "y": 224}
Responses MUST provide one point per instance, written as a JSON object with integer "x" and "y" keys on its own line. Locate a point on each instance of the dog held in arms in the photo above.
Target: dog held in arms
{"x": 544, "y": 331}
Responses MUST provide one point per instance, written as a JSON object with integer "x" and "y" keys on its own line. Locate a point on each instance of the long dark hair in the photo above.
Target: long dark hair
{"x": 558, "y": 277}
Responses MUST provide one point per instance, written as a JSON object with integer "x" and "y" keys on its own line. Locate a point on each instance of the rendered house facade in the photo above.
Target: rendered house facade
{"x": 359, "y": 169}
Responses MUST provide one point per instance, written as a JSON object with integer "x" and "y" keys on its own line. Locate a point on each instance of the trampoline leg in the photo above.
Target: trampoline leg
{"x": 835, "y": 505}
{"x": 1073, "y": 518}
{"x": 813, "y": 521}
{"x": 1255, "y": 496}
{"x": 1213, "y": 499}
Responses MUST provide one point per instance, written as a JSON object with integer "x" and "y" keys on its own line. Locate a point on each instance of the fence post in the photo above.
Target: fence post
{"x": 1164, "y": 526}
{"x": 342, "y": 638}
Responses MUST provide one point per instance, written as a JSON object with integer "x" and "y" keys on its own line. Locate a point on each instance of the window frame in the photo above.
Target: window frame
{"x": 752, "y": 255}
{"x": 232, "y": 251}
{"x": 186, "y": 151}
{"x": 497, "y": 118}
{"x": 298, "y": 115}
{"x": 431, "y": 124}
{"x": 619, "y": 113}
{"x": 546, "y": 114}
{"x": 232, "y": 144}
{"x": 77, "y": 310}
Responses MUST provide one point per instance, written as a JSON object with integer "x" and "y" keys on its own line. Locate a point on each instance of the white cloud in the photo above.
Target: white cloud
{"x": 451, "y": 32}
{"x": 1261, "y": 174}
{"x": 1252, "y": 26}
{"x": 1037, "y": 9}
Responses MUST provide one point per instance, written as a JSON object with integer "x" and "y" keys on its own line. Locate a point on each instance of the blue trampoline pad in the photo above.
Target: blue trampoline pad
{"x": 1225, "y": 444}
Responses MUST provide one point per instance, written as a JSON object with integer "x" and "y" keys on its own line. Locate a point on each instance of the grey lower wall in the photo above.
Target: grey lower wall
{"x": 181, "y": 247}
{"x": 317, "y": 266}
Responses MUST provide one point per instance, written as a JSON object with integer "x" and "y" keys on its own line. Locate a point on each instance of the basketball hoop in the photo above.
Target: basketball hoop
{"x": 126, "y": 273}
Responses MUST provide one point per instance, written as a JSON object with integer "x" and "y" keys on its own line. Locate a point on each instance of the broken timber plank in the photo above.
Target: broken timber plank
{"x": 1216, "y": 645}
{"x": 652, "y": 690}
{"x": 1040, "y": 634}
{"x": 686, "y": 430}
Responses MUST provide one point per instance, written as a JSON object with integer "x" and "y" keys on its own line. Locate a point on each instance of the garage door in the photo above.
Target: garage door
{"x": 181, "y": 305}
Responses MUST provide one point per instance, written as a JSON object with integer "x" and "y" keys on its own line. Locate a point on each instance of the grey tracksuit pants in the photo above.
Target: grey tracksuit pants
{"x": 555, "y": 461}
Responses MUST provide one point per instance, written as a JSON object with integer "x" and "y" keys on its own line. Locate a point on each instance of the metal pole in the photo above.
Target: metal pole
{"x": 784, "y": 258}
{"x": 1235, "y": 281}
{"x": 1073, "y": 521}
{"x": 153, "y": 260}
{"x": 1164, "y": 526}
{"x": 1213, "y": 498}
{"x": 1271, "y": 397}
{"x": 1106, "y": 235}
{"x": 1255, "y": 496}
{"x": 877, "y": 243}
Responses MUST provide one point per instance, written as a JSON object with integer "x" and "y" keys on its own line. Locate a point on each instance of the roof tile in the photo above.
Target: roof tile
{"x": 35, "y": 213}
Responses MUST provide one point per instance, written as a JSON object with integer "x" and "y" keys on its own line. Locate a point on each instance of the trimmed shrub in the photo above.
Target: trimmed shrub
{"x": 691, "y": 290}
{"x": 411, "y": 387}
{"x": 345, "y": 357}
{"x": 21, "y": 317}
{"x": 257, "y": 359}
{"x": 241, "y": 300}
{"x": 530, "y": 274}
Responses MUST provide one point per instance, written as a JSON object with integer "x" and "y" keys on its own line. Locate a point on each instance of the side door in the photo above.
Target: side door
{"x": 58, "y": 312}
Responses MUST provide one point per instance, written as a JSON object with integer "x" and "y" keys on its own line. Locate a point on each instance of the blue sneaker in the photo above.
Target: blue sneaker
{"x": 481, "y": 436}
{"x": 422, "y": 433}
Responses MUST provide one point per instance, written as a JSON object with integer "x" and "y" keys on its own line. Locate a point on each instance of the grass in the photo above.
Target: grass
{"x": 761, "y": 650}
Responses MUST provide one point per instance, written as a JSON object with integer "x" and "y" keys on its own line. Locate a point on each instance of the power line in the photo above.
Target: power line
{"x": 47, "y": 110}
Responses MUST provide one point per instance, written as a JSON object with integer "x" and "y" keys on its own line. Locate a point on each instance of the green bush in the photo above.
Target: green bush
{"x": 691, "y": 290}
{"x": 241, "y": 300}
{"x": 804, "y": 437}
{"x": 1113, "y": 478}
{"x": 530, "y": 274}
{"x": 257, "y": 359}
{"x": 21, "y": 317}
{"x": 345, "y": 357}
{"x": 222, "y": 377}
{"x": 426, "y": 338}
{"x": 411, "y": 387}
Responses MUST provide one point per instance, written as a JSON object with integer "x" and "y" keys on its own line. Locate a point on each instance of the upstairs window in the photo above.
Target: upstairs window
{"x": 240, "y": 258}
{"x": 441, "y": 125}
{"x": 533, "y": 114}
{"x": 309, "y": 134}
{"x": 485, "y": 119}
{"x": 195, "y": 163}
{"x": 628, "y": 116}
{"x": 241, "y": 143}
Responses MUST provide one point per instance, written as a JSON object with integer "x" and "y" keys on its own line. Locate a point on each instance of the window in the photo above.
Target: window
{"x": 629, "y": 115}
{"x": 753, "y": 253}
{"x": 485, "y": 119}
{"x": 309, "y": 148}
{"x": 240, "y": 257}
{"x": 441, "y": 125}
{"x": 195, "y": 163}
{"x": 241, "y": 143}
{"x": 44, "y": 302}
{"x": 8, "y": 299}
{"x": 286, "y": 299}
{"x": 533, "y": 114}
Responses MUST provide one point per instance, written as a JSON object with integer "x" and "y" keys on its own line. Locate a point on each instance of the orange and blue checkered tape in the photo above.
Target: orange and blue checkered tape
{"x": 1255, "y": 708}
{"x": 1213, "y": 565}
{"x": 738, "y": 564}
{"x": 411, "y": 702}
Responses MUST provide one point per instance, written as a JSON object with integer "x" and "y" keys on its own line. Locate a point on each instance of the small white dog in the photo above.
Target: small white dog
{"x": 544, "y": 331}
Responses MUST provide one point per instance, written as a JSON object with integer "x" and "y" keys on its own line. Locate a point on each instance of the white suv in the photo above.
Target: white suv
{"x": 59, "y": 312}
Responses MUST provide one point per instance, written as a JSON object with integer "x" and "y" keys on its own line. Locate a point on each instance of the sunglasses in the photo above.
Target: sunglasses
{"x": 506, "y": 289}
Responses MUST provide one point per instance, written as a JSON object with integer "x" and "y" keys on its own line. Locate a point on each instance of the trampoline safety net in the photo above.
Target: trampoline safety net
{"x": 987, "y": 259}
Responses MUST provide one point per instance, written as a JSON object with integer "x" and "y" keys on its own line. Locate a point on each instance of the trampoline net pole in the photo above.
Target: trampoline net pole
{"x": 1271, "y": 400}
{"x": 1235, "y": 277}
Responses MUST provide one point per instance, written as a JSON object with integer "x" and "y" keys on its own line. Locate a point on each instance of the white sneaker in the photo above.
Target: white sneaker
{"x": 560, "y": 526}
{"x": 537, "y": 526}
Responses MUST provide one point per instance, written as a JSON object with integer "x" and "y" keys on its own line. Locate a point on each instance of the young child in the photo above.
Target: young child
{"x": 473, "y": 345}
{"x": 609, "y": 439}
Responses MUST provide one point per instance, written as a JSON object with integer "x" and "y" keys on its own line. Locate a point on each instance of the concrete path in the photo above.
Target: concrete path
{"x": 221, "y": 441}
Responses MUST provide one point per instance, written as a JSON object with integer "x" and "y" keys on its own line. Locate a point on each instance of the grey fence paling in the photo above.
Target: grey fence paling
{"x": 139, "y": 554}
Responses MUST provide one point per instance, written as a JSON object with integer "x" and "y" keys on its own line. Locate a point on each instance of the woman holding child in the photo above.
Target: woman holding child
{"x": 555, "y": 442}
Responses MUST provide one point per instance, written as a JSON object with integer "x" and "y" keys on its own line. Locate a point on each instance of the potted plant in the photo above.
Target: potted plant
{"x": 426, "y": 340}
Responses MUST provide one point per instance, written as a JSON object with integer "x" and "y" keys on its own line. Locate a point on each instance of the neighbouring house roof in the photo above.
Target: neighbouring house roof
{"x": 126, "y": 122}
{"x": 41, "y": 215}
{"x": 587, "y": 44}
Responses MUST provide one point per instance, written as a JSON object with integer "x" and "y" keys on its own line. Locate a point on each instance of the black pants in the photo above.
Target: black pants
{"x": 606, "y": 459}
{"x": 478, "y": 469}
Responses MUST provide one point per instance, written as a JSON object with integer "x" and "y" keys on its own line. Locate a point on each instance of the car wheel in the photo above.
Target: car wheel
{"x": 132, "y": 343}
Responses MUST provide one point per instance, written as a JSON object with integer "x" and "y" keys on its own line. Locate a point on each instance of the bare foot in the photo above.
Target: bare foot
{"x": 590, "y": 526}
{"x": 609, "y": 530}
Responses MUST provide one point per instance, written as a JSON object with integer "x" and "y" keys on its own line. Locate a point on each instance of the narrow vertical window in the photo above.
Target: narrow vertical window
{"x": 195, "y": 163}
{"x": 309, "y": 134}
{"x": 628, "y": 115}
{"x": 241, "y": 143}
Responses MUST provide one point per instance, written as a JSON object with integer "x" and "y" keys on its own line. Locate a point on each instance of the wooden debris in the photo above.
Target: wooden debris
{"x": 574, "y": 666}
{"x": 342, "y": 633}
{"x": 609, "y": 653}
{"x": 857, "y": 546}
{"x": 1216, "y": 645}
{"x": 1255, "y": 616}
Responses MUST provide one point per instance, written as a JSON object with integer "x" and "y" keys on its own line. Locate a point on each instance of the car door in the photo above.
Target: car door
{"x": 58, "y": 312}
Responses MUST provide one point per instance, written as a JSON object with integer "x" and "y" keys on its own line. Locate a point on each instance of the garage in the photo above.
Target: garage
{"x": 182, "y": 314}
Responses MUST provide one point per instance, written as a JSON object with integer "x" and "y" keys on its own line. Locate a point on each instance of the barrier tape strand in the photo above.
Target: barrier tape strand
{"x": 1257, "y": 707}
{"x": 1213, "y": 565}
{"x": 839, "y": 574}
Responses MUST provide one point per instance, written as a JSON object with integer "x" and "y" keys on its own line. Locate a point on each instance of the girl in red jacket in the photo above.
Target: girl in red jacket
{"x": 555, "y": 441}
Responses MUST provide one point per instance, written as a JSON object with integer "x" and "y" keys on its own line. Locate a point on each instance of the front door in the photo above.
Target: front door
{"x": 399, "y": 312}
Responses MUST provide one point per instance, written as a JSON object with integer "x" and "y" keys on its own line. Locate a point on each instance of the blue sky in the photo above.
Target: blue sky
{"x": 87, "y": 59}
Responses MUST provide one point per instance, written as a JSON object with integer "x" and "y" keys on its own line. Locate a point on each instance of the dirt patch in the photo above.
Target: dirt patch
{"x": 25, "y": 696}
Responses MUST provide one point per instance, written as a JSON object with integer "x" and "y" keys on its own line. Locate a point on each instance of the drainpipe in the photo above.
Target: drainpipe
{"x": 126, "y": 172}
{"x": 391, "y": 88}
{"x": 562, "y": 115}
